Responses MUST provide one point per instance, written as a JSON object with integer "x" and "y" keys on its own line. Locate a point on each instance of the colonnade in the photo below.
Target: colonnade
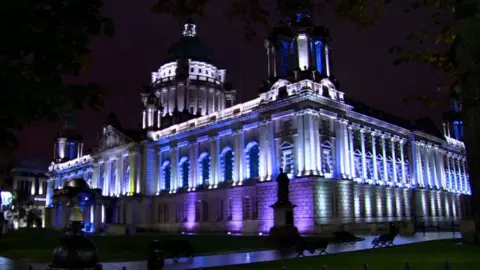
{"x": 384, "y": 159}
{"x": 118, "y": 174}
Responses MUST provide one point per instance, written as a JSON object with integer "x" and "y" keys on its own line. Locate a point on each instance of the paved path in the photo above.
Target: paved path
{"x": 239, "y": 258}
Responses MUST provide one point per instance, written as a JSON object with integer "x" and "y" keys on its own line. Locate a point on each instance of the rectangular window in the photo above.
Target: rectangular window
{"x": 319, "y": 55}
{"x": 159, "y": 213}
{"x": 230, "y": 209}
{"x": 179, "y": 212}
{"x": 165, "y": 213}
{"x": 247, "y": 208}
{"x": 219, "y": 210}
{"x": 198, "y": 211}
{"x": 205, "y": 211}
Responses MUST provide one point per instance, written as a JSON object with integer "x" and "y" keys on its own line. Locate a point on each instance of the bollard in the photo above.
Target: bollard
{"x": 365, "y": 267}
{"x": 324, "y": 267}
{"x": 124, "y": 268}
{"x": 30, "y": 267}
{"x": 407, "y": 266}
{"x": 448, "y": 266}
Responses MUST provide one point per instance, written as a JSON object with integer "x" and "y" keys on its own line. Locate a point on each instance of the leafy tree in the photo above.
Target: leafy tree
{"x": 453, "y": 50}
{"x": 44, "y": 42}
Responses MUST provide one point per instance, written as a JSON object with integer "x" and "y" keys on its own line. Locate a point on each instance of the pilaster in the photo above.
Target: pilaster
{"x": 299, "y": 153}
{"x": 263, "y": 147}
{"x": 364, "y": 161}
{"x": 374, "y": 155}
{"x": 213, "y": 162}
{"x": 394, "y": 160}
{"x": 238, "y": 155}
{"x": 384, "y": 154}
{"x": 402, "y": 160}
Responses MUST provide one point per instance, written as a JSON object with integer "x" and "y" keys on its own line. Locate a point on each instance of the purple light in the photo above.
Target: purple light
{"x": 191, "y": 200}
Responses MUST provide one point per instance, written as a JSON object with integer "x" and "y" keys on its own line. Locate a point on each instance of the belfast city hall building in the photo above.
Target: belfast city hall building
{"x": 205, "y": 163}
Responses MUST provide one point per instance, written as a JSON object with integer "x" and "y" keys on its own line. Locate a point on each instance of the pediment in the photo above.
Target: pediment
{"x": 111, "y": 138}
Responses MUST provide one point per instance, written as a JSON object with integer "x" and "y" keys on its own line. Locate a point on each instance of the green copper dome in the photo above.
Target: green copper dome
{"x": 190, "y": 46}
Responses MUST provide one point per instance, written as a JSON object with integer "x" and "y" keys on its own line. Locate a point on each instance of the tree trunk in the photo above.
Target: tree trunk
{"x": 472, "y": 133}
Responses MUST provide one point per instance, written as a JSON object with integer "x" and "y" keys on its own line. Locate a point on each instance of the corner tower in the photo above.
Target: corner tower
{"x": 297, "y": 46}
{"x": 68, "y": 144}
{"x": 188, "y": 84}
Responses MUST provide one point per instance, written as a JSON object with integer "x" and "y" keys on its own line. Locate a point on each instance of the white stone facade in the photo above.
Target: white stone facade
{"x": 216, "y": 172}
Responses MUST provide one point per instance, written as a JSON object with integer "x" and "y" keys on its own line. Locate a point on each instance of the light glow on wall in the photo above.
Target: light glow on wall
{"x": 302, "y": 42}
{"x": 103, "y": 214}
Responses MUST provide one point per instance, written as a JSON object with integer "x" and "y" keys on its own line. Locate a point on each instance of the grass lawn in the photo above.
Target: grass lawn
{"x": 421, "y": 256}
{"x": 37, "y": 245}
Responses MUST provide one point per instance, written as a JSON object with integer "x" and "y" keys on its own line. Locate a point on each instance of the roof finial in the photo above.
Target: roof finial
{"x": 189, "y": 29}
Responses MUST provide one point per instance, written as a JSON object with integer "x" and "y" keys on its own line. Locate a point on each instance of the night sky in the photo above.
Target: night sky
{"x": 123, "y": 64}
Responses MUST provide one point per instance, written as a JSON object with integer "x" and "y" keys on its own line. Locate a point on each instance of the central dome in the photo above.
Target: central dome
{"x": 190, "y": 47}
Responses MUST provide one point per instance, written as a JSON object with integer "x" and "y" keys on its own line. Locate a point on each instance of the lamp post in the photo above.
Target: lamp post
{"x": 74, "y": 250}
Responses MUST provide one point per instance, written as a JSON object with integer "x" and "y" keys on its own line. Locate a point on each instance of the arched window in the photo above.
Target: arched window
{"x": 167, "y": 174}
{"x": 253, "y": 159}
{"x": 204, "y": 161}
{"x": 184, "y": 171}
{"x": 227, "y": 162}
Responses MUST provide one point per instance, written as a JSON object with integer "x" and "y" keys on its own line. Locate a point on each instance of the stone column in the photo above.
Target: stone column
{"x": 308, "y": 142}
{"x": 218, "y": 160}
{"x": 299, "y": 147}
{"x": 417, "y": 165}
{"x": 433, "y": 163}
{"x": 450, "y": 183}
{"x": 427, "y": 166}
{"x": 131, "y": 177}
{"x": 351, "y": 152}
{"x": 263, "y": 147}
{"x": 339, "y": 149}
{"x": 213, "y": 164}
{"x": 237, "y": 156}
{"x": 384, "y": 154}
{"x": 453, "y": 173}
{"x": 107, "y": 180}
{"x": 271, "y": 158}
{"x": 160, "y": 178}
{"x": 174, "y": 168}
{"x": 267, "y": 47}
{"x": 193, "y": 160}
{"x": 467, "y": 182}
{"x": 402, "y": 160}
{"x": 374, "y": 156}
{"x": 394, "y": 160}
{"x": 318, "y": 143}
{"x": 441, "y": 168}
{"x": 96, "y": 175}
{"x": 346, "y": 149}
{"x": 364, "y": 158}
{"x": 459, "y": 173}
{"x": 119, "y": 174}
{"x": 196, "y": 173}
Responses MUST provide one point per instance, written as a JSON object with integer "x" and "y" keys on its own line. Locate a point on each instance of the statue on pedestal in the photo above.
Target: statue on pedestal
{"x": 75, "y": 251}
{"x": 283, "y": 189}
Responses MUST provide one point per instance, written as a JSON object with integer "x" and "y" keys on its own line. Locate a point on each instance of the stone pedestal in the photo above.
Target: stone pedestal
{"x": 283, "y": 221}
{"x": 283, "y": 214}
